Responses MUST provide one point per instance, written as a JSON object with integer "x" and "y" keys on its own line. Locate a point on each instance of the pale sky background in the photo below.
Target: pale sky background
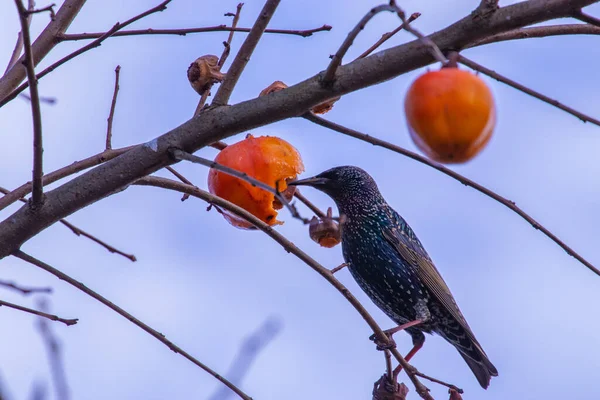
{"x": 207, "y": 285}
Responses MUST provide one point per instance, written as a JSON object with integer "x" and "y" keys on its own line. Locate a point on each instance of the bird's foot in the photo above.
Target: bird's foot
{"x": 388, "y": 344}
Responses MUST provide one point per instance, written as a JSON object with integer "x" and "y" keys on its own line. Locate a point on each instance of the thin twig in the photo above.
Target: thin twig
{"x": 185, "y": 31}
{"x": 386, "y": 36}
{"x": 118, "y": 26}
{"x": 439, "y": 382}
{"x": 538, "y": 32}
{"x": 49, "y": 8}
{"x": 80, "y": 232}
{"x": 309, "y": 204}
{"x": 462, "y": 179}
{"x": 222, "y": 59}
{"x": 249, "y": 351}
{"x": 111, "y": 114}
{"x": 38, "y": 188}
{"x": 339, "y": 267}
{"x": 23, "y": 290}
{"x": 182, "y": 179}
{"x": 55, "y": 357}
{"x": 583, "y": 17}
{"x": 157, "y": 335}
{"x": 182, "y": 155}
{"x": 492, "y": 74}
{"x": 431, "y": 46}
{"x": 16, "y": 54}
{"x": 290, "y": 248}
{"x": 243, "y": 56}
{"x": 52, "y": 317}
{"x": 336, "y": 60}
{"x": 61, "y": 173}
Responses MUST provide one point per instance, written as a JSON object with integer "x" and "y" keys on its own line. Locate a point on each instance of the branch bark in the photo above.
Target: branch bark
{"x": 221, "y": 122}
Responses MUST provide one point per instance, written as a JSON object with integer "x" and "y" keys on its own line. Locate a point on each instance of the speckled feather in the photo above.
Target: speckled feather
{"x": 391, "y": 265}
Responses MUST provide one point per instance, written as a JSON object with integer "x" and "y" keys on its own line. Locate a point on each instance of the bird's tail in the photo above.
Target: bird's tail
{"x": 483, "y": 369}
{"x": 470, "y": 349}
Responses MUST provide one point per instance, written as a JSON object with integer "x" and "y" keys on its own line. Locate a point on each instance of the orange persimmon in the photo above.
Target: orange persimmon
{"x": 450, "y": 114}
{"x": 268, "y": 159}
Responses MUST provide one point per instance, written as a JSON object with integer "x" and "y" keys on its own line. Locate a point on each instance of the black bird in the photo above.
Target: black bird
{"x": 390, "y": 264}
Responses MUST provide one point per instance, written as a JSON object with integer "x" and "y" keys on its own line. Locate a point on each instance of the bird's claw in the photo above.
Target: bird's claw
{"x": 381, "y": 345}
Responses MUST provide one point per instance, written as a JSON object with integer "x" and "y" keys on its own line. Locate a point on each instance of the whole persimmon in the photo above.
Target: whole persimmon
{"x": 268, "y": 159}
{"x": 450, "y": 114}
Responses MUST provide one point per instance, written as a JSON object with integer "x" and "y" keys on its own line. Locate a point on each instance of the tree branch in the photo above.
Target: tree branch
{"x": 37, "y": 186}
{"x": 42, "y": 45}
{"x": 580, "y": 15}
{"x": 492, "y": 74}
{"x": 538, "y": 32}
{"x": 386, "y": 36}
{"x": 243, "y": 56}
{"x": 186, "y": 31}
{"x": 23, "y": 290}
{"x": 42, "y": 314}
{"x": 222, "y": 122}
{"x": 19, "y": 45}
{"x": 161, "y": 7}
{"x": 462, "y": 179}
{"x": 290, "y": 248}
{"x": 111, "y": 114}
{"x": 157, "y": 335}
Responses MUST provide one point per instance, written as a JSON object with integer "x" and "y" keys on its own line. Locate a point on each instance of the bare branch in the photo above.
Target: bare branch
{"x": 339, "y": 267}
{"x": 290, "y": 248}
{"x": 309, "y": 204}
{"x": 492, "y": 74}
{"x": 182, "y": 179}
{"x": 580, "y": 15}
{"x": 249, "y": 351}
{"x": 161, "y": 7}
{"x": 157, "y": 335}
{"x": 111, "y": 114}
{"x": 23, "y": 290}
{"x": 49, "y": 9}
{"x": 243, "y": 56}
{"x": 42, "y": 45}
{"x": 186, "y": 31}
{"x": 80, "y": 232}
{"x": 538, "y": 32}
{"x": 462, "y": 179}
{"x": 336, "y": 60}
{"x": 220, "y": 62}
{"x": 37, "y": 186}
{"x": 19, "y": 45}
{"x": 54, "y": 356}
{"x": 51, "y": 317}
{"x": 386, "y": 36}
{"x": 218, "y": 123}
{"x": 71, "y": 169}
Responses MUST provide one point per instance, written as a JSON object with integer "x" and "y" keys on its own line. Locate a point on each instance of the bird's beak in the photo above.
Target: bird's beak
{"x": 314, "y": 181}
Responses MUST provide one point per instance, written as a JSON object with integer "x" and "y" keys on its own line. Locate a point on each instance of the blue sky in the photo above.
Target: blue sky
{"x": 207, "y": 285}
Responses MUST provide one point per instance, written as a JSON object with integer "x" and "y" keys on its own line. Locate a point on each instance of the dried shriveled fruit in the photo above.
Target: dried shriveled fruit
{"x": 204, "y": 72}
{"x": 450, "y": 114}
{"x": 321, "y": 108}
{"x": 268, "y": 159}
{"x": 326, "y": 231}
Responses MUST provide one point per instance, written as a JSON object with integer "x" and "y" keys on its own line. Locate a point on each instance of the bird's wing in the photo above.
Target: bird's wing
{"x": 410, "y": 249}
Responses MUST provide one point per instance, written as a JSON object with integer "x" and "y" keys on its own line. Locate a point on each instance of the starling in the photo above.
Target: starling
{"x": 390, "y": 264}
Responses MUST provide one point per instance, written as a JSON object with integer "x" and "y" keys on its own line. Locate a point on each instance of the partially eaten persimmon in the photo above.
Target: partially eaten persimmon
{"x": 268, "y": 159}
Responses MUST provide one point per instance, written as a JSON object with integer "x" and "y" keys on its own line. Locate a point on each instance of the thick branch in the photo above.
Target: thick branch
{"x": 245, "y": 52}
{"x": 42, "y": 314}
{"x": 157, "y": 335}
{"x": 462, "y": 179}
{"x": 42, "y": 45}
{"x": 185, "y": 31}
{"x": 37, "y": 186}
{"x": 221, "y": 122}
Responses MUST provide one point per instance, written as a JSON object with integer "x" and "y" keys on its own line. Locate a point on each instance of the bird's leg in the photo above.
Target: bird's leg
{"x": 390, "y": 332}
{"x": 410, "y": 355}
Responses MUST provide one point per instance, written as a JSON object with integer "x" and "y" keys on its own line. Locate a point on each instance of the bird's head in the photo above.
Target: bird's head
{"x": 343, "y": 184}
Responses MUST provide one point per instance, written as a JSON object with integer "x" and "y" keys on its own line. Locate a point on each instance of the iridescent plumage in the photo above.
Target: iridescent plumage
{"x": 390, "y": 264}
